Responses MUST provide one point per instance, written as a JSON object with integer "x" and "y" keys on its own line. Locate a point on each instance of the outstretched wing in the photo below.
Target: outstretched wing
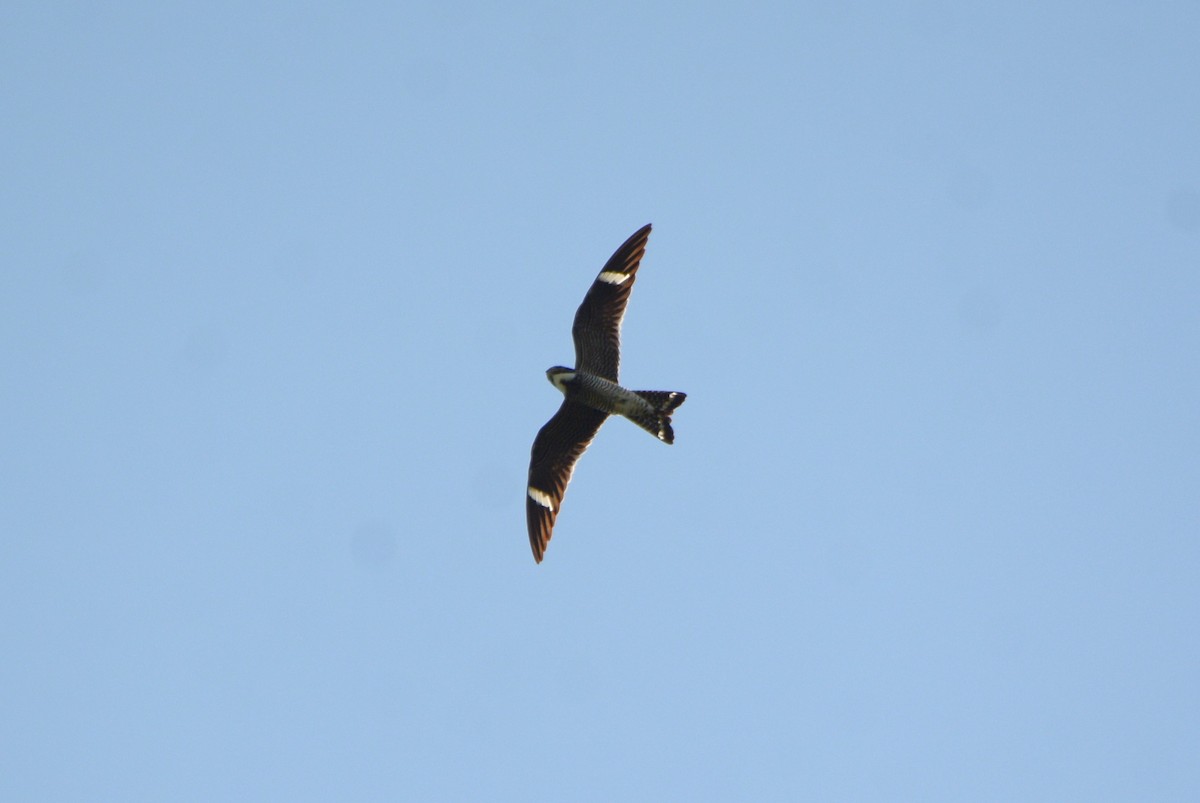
{"x": 597, "y": 328}
{"x": 555, "y": 449}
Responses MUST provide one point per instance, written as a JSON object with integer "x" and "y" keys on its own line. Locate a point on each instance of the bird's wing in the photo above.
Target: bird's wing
{"x": 555, "y": 449}
{"x": 597, "y": 328}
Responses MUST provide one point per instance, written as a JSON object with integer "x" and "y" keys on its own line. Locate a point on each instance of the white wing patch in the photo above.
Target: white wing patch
{"x": 541, "y": 497}
{"x": 613, "y": 277}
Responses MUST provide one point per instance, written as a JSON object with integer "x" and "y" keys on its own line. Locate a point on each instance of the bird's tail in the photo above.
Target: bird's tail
{"x": 657, "y": 420}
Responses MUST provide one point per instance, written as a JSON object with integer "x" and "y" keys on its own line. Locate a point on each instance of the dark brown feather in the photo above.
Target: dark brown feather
{"x": 556, "y": 448}
{"x": 597, "y": 327}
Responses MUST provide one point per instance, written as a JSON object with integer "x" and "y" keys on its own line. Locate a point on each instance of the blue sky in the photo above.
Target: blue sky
{"x": 278, "y": 286}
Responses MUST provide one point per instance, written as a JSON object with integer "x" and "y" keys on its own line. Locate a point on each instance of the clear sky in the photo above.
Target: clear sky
{"x": 278, "y": 286}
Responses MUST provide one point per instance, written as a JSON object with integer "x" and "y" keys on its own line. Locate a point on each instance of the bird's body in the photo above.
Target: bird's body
{"x": 592, "y": 392}
{"x": 642, "y": 407}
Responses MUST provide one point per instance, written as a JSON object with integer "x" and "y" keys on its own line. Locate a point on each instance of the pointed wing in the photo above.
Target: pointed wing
{"x": 555, "y": 449}
{"x": 597, "y": 329}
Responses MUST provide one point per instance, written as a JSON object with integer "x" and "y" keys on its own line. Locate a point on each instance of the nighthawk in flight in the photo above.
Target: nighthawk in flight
{"x": 592, "y": 393}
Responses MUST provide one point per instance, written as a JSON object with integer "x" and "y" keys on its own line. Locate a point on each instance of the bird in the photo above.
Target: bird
{"x": 591, "y": 392}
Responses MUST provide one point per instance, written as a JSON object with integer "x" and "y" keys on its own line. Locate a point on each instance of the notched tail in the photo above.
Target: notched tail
{"x": 658, "y": 421}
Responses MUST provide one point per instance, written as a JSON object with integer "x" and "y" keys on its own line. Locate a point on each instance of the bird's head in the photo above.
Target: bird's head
{"x": 559, "y": 377}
